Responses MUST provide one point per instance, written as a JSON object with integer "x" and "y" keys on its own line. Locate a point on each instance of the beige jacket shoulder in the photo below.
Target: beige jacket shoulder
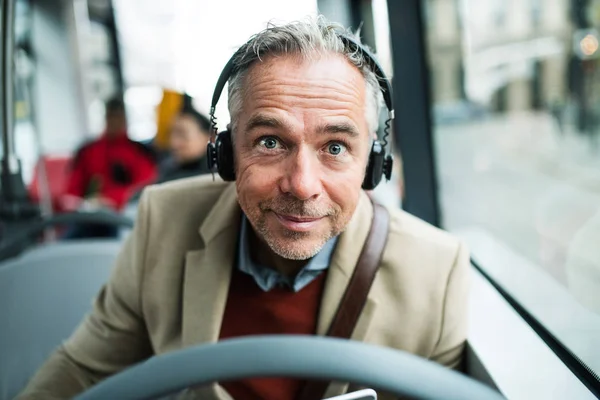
{"x": 169, "y": 287}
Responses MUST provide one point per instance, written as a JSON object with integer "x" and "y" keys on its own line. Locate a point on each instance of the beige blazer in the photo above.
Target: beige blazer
{"x": 170, "y": 282}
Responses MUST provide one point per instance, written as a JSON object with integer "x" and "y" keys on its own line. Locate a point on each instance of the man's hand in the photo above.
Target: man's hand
{"x": 98, "y": 203}
{"x": 72, "y": 203}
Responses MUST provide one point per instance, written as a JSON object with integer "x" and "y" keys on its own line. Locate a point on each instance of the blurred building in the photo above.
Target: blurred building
{"x": 445, "y": 50}
{"x": 507, "y": 55}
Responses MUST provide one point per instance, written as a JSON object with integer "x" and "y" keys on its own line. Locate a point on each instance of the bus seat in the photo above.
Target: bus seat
{"x": 44, "y": 294}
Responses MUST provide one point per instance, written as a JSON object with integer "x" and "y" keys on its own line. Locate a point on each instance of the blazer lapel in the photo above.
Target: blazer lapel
{"x": 206, "y": 286}
{"x": 206, "y": 282}
{"x": 208, "y": 272}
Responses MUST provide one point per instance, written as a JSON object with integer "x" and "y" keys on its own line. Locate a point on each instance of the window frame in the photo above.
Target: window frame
{"x": 413, "y": 130}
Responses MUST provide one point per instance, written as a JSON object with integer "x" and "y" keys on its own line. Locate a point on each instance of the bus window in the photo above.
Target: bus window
{"x": 516, "y": 105}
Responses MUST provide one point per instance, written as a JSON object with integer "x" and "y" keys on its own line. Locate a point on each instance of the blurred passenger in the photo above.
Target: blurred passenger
{"x": 189, "y": 136}
{"x": 109, "y": 170}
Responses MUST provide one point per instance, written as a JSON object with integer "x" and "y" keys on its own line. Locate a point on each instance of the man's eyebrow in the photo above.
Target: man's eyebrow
{"x": 340, "y": 127}
{"x": 264, "y": 121}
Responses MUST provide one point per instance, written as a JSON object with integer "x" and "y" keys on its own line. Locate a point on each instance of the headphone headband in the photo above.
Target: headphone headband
{"x": 384, "y": 84}
{"x": 349, "y": 42}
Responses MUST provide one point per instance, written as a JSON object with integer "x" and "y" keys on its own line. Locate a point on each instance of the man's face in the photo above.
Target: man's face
{"x": 188, "y": 140}
{"x": 301, "y": 146}
{"x": 116, "y": 122}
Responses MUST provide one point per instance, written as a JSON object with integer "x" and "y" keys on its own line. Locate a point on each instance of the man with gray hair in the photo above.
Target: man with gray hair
{"x": 279, "y": 248}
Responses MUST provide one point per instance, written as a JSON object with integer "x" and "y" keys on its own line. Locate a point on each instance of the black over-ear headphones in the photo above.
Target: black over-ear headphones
{"x": 220, "y": 148}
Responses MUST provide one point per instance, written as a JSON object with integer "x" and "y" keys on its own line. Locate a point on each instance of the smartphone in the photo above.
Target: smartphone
{"x": 365, "y": 394}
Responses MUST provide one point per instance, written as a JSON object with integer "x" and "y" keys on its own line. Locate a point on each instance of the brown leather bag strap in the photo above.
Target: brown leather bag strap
{"x": 356, "y": 293}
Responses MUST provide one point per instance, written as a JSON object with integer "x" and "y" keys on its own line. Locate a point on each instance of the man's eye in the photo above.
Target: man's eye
{"x": 269, "y": 143}
{"x": 336, "y": 148}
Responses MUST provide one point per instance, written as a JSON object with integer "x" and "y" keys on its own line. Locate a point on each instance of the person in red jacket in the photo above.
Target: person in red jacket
{"x": 108, "y": 171}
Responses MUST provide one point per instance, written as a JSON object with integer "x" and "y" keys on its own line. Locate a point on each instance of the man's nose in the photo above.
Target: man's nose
{"x": 302, "y": 177}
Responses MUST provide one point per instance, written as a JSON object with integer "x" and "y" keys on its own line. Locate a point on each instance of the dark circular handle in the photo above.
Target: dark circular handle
{"x": 307, "y": 357}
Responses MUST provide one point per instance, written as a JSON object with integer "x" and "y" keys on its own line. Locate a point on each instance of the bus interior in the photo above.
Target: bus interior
{"x": 496, "y": 137}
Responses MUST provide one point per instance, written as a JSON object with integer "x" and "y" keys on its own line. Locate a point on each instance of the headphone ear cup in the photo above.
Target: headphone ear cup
{"x": 224, "y": 156}
{"x": 211, "y": 156}
{"x": 375, "y": 166}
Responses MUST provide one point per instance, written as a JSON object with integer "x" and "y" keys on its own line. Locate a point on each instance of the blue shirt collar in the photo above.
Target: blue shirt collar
{"x": 267, "y": 278}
